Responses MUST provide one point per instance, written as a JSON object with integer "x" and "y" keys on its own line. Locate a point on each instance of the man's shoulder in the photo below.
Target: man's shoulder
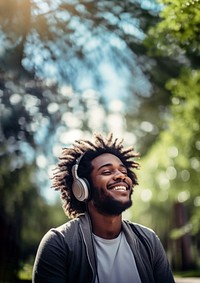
{"x": 65, "y": 233}
{"x": 69, "y": 226}
{"x": 145, "y": 236}
{"x": 140, "y": 229}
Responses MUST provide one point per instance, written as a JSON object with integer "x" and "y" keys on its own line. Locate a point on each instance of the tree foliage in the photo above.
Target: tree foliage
{"x": 172, "y": 168}
{"x": 178, "y": 29}
{"x": 73, "y": 36}
{"x": 173, "y": 163}
{"x": 74, "y": 42}
{"x": 33, "y": 114}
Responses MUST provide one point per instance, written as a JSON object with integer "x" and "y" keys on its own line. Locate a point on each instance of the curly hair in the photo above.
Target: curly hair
{"x": 63, "y": 179}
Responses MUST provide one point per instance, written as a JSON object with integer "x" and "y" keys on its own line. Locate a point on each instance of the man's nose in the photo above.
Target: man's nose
{"x": 119, "y": 176}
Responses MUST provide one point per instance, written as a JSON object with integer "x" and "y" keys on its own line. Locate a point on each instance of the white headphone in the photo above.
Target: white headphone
{"x": 80, "y": 186}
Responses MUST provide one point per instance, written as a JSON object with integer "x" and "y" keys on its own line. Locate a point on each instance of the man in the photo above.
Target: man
{"x": 96, "y": 182}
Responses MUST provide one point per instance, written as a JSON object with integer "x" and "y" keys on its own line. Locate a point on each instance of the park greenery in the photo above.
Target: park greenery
{"x": 57, "y": 59}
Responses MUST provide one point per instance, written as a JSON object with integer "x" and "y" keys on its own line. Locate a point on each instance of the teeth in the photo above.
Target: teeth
{"x": 120, "y": 188}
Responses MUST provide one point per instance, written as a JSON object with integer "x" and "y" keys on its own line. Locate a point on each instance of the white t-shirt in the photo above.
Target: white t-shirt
{"x": 115, "y": 261}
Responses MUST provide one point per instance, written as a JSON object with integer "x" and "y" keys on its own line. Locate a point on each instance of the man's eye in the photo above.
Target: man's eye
{"x": 107, "y": 172}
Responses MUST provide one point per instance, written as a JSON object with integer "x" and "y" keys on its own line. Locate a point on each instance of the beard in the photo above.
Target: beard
{"x": 109, "y": 205}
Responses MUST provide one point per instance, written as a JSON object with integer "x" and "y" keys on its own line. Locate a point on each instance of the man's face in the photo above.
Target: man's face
{"x": 111, "y": 187}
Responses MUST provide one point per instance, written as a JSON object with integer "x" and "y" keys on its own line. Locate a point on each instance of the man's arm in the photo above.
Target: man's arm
{"x": 50, "y": 262}
{"x": 161, "y": 268}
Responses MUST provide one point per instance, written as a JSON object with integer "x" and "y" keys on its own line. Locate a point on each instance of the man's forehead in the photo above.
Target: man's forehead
{"x": 105, "y": 159}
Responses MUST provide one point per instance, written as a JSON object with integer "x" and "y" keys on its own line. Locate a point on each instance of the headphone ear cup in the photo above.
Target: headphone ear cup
{"x": 80, "y": 189}
{"x": 80, "y": 186}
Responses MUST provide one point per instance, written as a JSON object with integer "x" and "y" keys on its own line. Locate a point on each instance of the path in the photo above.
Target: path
{"x": 187, "y": 280}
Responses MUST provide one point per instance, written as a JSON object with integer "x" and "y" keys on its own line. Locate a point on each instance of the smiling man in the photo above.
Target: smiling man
{"x": 96, "y": 181}
{"x": 112, "y": 188}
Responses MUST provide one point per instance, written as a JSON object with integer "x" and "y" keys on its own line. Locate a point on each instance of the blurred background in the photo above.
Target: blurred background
{"x": 72, "y": 67}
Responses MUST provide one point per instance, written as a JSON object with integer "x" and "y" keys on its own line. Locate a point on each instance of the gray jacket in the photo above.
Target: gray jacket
{"x": 66, "y": 254}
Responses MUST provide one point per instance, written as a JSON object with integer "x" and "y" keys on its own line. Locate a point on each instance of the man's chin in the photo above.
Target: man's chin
{"x": 112, "y": 206}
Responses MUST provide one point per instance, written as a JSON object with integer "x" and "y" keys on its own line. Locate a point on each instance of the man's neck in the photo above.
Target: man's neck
{"x": 105, "y": 226}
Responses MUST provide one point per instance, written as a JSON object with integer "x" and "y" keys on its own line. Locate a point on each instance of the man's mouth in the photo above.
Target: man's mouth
{"x": 119, "y": 187}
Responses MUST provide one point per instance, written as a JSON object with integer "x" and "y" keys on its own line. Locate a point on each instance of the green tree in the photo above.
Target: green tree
{"x": 30, "y": 113}
{"x": 172, "y": 172}
{"x": 177, "y": 32}
{"x": 172, "y": 165}
{"x": 75, "y": 42}
{"x": 67, "y": 37}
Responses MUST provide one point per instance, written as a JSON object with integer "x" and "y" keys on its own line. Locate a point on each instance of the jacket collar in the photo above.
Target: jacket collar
{"x": 86, "y": 230}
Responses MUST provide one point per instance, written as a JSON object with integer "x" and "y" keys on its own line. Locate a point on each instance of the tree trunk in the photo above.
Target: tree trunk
{"x": 184, "y": 260}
